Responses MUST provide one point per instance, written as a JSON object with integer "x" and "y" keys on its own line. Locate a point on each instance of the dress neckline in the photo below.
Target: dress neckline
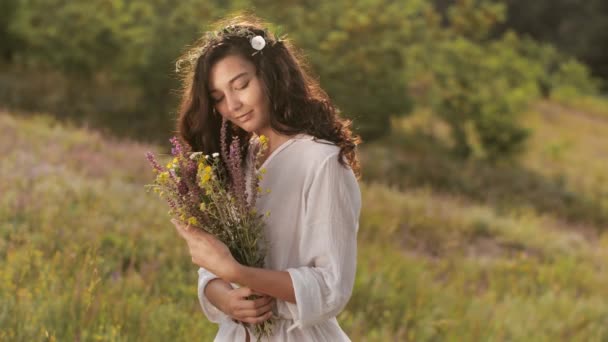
{"x": 281, "y": 148}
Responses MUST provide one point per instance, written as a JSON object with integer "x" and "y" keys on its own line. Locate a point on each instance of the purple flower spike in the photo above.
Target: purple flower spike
{"x": 177, "y": 149}
{"x": 223, "y": 142}
{"x": 172, "y": 204}
{"x": 253, "y": 175}
{"x": 236, "y": 171}
{"x": 154, "y": 162}
{"x": 182, "y": 187}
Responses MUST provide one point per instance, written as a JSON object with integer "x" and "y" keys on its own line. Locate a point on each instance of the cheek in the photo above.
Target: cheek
{"x": 258, "y": 97}
{"x": 221, "y": 110}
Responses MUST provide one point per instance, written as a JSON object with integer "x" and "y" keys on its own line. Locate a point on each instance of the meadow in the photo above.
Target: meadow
{"x": 449, "y": 250}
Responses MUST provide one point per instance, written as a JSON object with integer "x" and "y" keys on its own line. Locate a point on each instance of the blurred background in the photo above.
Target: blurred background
{"x": 485, "y": 165}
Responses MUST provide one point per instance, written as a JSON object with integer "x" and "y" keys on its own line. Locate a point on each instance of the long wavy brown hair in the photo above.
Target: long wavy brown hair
{"x": 297, "y": 102}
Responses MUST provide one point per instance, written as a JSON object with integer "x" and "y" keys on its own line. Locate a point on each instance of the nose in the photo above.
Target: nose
{"x": 234, "y": 103}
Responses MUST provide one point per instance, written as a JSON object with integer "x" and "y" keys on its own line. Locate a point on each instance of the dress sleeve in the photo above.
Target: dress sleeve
{"x": 329, "y": 244}
{"x": 213, "y": 314}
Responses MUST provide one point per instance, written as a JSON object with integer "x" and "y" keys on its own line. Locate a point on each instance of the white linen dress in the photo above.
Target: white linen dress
{"x": 314, "y": 209}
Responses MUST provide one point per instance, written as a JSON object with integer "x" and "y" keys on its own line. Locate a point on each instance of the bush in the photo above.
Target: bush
{"x": 479, "y": 90}
{"x": 358, "y": 51}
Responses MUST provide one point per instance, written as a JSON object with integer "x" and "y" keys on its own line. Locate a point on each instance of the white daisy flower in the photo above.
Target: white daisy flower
{"x": 258, "y": 42}
{"x": 195, "y": 155}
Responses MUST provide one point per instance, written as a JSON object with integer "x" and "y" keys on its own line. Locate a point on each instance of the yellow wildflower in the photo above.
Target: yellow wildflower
{"x": 172, "y": 164}
{"x": 192, "y": 221}
{"x": 203, "y": 207}
{"x": 263, "y": 171}
{"x": 163, "y": 177}
{"x": 207, "y": 173}
{"x": 263, "y": 139}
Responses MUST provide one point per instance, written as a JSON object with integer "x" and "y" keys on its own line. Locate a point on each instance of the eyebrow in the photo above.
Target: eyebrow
{"x": 232, "y": 80}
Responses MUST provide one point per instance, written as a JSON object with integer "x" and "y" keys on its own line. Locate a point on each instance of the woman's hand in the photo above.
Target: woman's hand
{"x": 248, "y": 310}
{"x": 208, "y": 252}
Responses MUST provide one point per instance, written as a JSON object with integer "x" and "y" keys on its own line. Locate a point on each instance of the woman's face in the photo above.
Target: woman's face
{"x": 238, "y": 93}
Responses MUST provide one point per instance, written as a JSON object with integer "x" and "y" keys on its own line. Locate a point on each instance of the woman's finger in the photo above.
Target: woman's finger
{"x": 251, "y": 313}
{"x": 246, "y": 292}
{"x": 188, "y": 232}
{"x": 179, "y": 228}
{"x": 259, "y": 319}
{"x": 243, "y": 292}
{"x": 257, "y": 311}
{"x": 257, "y": 303}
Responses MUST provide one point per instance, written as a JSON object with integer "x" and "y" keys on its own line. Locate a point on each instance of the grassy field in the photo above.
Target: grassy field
{"x": 448, "y": 250}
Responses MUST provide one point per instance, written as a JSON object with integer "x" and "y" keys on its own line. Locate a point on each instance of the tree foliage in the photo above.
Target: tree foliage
{"x": 578, "y": 28}
{"x": 112, "y": 62}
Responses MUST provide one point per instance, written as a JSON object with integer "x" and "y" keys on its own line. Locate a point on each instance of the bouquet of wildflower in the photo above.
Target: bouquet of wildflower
{"x": 211, "y": 192}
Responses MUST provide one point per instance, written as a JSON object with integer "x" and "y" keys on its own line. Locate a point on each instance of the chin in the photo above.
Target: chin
{"x": 255, "y": 124}
{"x": 248, "y": 127}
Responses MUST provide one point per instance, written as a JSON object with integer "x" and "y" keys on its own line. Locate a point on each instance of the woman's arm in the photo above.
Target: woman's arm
{"x": 276, "y": 284}
{"x": 217, "y": 291}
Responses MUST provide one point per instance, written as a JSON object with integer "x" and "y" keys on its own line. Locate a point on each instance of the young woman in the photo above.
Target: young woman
{"x": 243, "y": 74}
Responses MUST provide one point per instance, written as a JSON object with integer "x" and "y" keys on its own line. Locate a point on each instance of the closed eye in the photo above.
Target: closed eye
{"x": 218, "y": 100}
{"x": 243, "y": 86}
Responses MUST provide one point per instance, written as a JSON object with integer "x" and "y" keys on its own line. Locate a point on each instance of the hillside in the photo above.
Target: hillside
{"x": 447, "y": 250}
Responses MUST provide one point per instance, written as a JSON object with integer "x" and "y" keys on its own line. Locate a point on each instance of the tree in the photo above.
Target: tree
{"x": 357, "y": 50}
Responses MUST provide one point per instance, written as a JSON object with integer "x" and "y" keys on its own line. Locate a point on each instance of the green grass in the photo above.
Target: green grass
{"x": 86, "y": 254}
{"x": 448, "y": 250}
{"x": 453, "y": 271}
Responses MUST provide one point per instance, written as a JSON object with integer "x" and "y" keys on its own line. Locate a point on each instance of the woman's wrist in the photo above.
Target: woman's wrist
{"x": 234, "y": 273}
{"x": 273, "y": 283}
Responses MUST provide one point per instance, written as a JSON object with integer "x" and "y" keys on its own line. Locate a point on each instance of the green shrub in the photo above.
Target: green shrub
{"x": 480, "y": 91}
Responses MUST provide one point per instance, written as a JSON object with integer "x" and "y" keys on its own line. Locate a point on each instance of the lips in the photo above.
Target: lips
{"x": 245, "y": 116}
